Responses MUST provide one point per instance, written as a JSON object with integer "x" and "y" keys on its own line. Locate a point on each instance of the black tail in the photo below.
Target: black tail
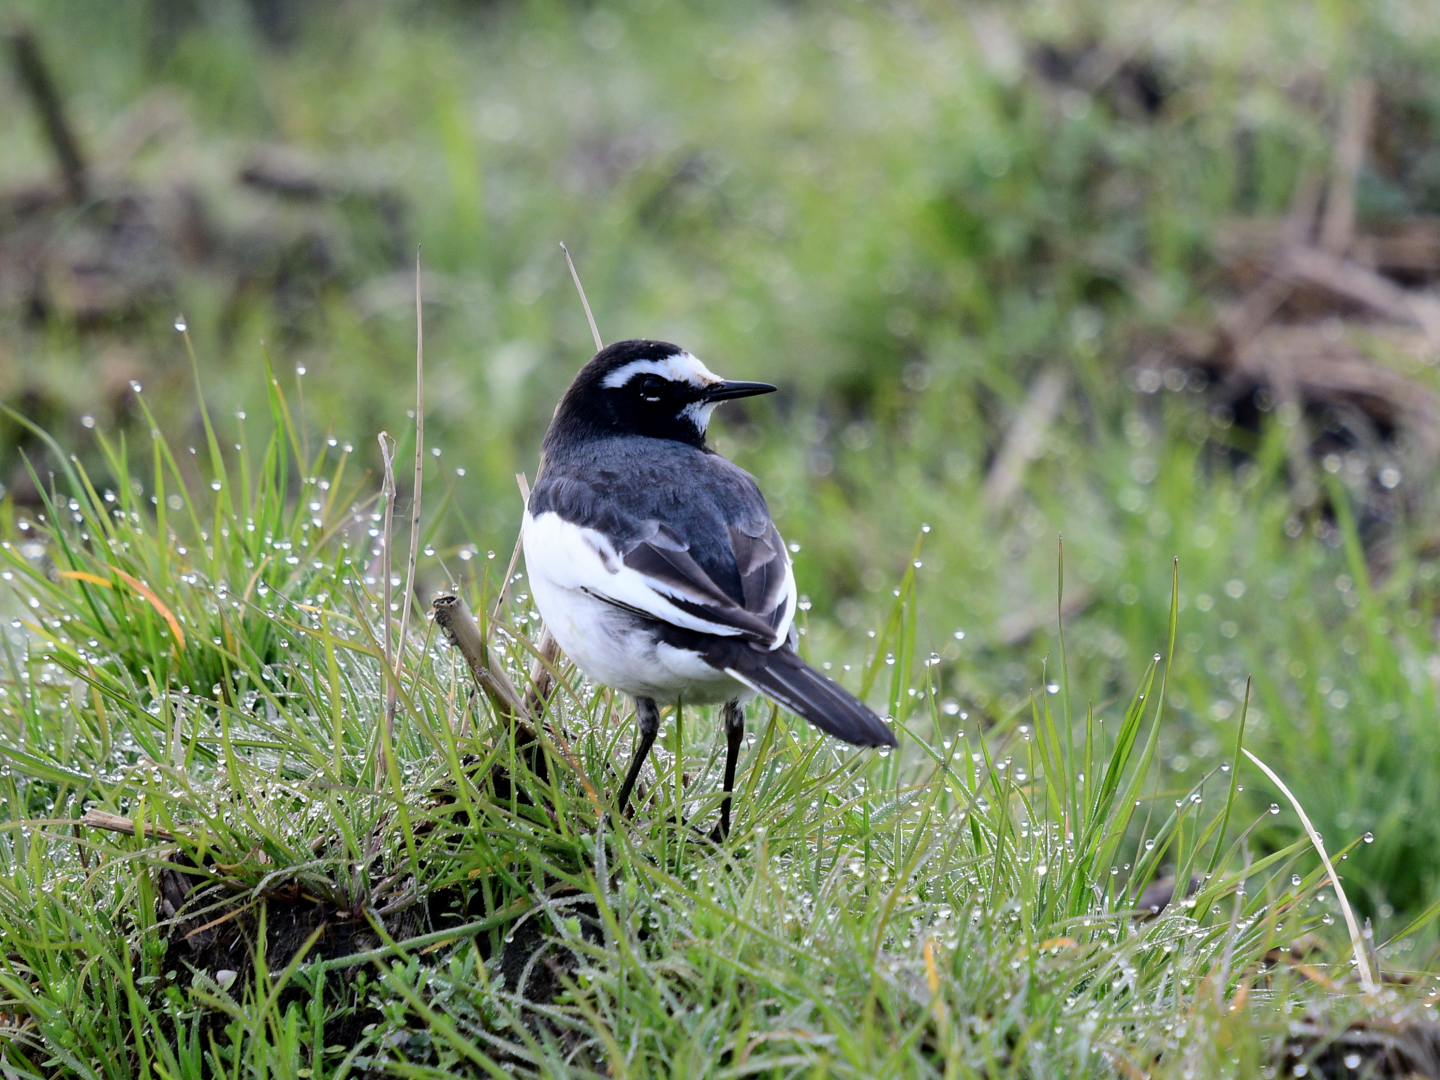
{"x": 787, "y": 680}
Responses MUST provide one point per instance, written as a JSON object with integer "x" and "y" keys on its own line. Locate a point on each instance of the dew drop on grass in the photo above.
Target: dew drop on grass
{"x": 214, "y": 485}
{"x": 1369, "y": 838}
{"x": 1352, "y": 1061}
{"x": 180, "y": 323}
{"x": 1274, "y": 808}
{"x": 1149, "y": 845}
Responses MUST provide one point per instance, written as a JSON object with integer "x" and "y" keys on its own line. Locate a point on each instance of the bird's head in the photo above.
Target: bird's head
{"x": 645, "y": 388}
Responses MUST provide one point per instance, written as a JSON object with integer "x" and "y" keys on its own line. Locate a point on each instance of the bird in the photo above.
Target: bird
{"x": 654, "y": 561}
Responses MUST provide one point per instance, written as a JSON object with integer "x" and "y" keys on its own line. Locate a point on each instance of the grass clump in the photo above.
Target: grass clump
{"x": 213, "y": 860}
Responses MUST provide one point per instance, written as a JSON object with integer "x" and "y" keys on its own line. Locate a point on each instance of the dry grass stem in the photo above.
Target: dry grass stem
{"x": 1026, "y": 437}
{"x": 387, "y": 492}
{"x": 1362, "y": 964}
{"x": 574, "y": 276}
{"x": 419, "y": 466}
{"x": 103, "y": 819}
{"x": 1356, "y": 114}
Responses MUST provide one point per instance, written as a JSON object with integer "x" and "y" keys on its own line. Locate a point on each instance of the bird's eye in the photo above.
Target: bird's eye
{"x": 651, "y": 387}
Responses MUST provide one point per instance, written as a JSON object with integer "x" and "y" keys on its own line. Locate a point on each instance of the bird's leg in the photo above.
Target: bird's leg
{"x": 734, "y": 714}
{"x": 647, "y": 718}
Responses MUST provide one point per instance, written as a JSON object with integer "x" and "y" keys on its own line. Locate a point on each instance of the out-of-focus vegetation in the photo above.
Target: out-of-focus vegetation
{"x": 934, "y": 225}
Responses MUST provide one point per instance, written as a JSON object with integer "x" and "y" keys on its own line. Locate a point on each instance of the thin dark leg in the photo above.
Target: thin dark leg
{"x": 734, "y": 732}
{"x": 647, "y": 718}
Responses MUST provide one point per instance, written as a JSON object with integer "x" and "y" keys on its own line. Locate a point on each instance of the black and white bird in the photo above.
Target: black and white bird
{"x": 654, "y": 561}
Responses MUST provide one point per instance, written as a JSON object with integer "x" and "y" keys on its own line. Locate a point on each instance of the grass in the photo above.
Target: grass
{"x": 897, "y": 218}
{"x": 209, "y": 670}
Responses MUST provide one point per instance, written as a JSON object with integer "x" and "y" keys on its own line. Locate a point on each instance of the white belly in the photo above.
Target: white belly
{"x": 613, "y": 647}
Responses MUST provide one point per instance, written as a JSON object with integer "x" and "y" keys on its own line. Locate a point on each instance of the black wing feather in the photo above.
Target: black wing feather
{"x": 706, "y": 542}
{"x": 666, "y": 560}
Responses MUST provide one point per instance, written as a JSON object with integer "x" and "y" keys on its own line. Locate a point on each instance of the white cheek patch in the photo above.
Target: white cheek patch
{"x": 682, "y": 367}
{"x": 698, "y": 413}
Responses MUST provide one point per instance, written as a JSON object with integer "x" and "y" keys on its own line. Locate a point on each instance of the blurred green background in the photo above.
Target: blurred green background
{"x": 988, "y": 252}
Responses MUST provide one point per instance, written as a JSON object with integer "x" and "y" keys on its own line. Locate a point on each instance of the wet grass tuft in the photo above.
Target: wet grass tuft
{"x": 213, "y": 859}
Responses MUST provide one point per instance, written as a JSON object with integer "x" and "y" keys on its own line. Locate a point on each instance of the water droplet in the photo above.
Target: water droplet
{"x": 1274, "y": 808}
{"x": 1052, "y": 688}
{"x": 135, "y": 386}
{"x": 214, "y": 485}
{"x": 1149, "y": 845}
{"x": 959, "y": 635}
{"x": 1369, "y": 838}
{"x": 1295, "y": 880}
{"x": 1352, "y": 1061}
{"x": 180, "y": 323}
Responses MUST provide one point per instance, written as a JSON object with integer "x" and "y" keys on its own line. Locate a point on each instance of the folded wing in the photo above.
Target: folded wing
{"x": 655, "y": 574}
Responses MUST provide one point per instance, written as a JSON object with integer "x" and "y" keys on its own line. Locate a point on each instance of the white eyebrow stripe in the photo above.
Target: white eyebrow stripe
{"x": 681, "y": 367}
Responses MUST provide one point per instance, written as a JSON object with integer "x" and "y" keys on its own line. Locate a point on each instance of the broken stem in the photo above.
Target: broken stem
{"x": 453, "y": 616}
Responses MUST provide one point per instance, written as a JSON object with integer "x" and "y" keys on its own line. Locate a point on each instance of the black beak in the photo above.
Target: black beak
{"x": 724, "y": 391}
